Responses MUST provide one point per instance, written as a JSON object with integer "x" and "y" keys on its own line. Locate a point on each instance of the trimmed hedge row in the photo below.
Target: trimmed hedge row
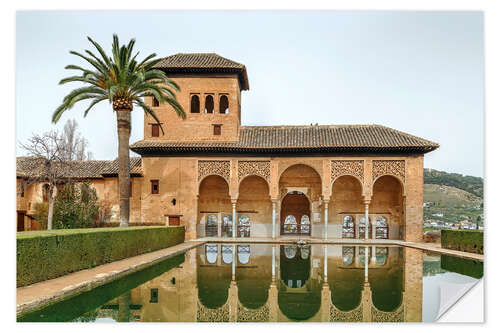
{"x": 462, "y": 240}
{"x": 43, "y": 255}
{"x": 462, "y": 266}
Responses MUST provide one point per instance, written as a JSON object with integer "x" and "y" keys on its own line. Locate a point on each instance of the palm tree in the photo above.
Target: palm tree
{"x": 124, "y": 82}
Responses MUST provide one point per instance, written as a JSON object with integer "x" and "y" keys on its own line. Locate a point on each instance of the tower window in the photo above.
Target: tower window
{"x": 155, "y": 102}
{"x": 209, "y": 104}
{"x": 217, "y": 129}
{"x": 155, "y": 130}
{"x": 224, "y": 105}
{"x": 155, "y": 186}
{"x": 195, "y": 104}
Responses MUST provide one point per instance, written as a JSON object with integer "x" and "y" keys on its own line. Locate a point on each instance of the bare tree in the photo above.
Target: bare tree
{"x": 75, "y": 144}
{"x": 54, "y": 167}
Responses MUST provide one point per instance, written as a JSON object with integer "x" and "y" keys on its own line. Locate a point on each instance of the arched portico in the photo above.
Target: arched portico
{"x": 254, "y": 202}
{"x": 214, "y": 205}
{"x": 300, "y": 192}
{"x": 387, "y": 209}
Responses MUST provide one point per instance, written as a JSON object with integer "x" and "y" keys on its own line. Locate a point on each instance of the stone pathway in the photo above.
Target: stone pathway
{"x": 41, "y": 293}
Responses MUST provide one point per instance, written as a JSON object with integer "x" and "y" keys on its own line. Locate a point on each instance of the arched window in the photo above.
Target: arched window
{"x": 224, "y": 104}
{"x": 227, "y": 253}
{"x": 209, "y": 104}
{"x": 381, "y": 255}
{"x": 304, "y": 252}
{"x": 362, "y": 255}
{"x": 381, "y": 228}
{"x": 305, "y": 224}
{"x": 211, "y": 252}
{"x": 211, "y": 226}
{"x": 244, "y": 226}
{"x": 243, "y": 254}
{"x": 348, "y": 255}
{"x": 348, "y": 227}
{"x": 362, "y": 226}
{"x": 45, "y": 192}
{"x": 155, "y": 102}
{"x": 195, "y": 104}
{"x": 290, "y": 226}
{"x": 290, "y": 251}
{"x": 227, "y": 225}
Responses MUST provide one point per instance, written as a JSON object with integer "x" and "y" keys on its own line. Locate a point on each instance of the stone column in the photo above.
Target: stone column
{"x": 233, "y": 266}
{"x": 273, "y": 234}
{"x": 366, "y": 263}
{"x": 273, "y": 261}
{"x": 366, "y": 298}
{"x": 325, "y": 263}
{"x": 367, "y": 221}
{"x": 219, "y": 224}
{"x": 233, "y": 202}
{"x": 325, "y": 203}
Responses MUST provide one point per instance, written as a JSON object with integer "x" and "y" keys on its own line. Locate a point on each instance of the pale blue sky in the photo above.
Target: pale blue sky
{"x": 418, "y": 72}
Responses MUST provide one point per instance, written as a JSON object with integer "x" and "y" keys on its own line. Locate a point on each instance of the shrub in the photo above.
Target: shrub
{"x": 462, "y": 240}
{"x": 41, "y": 213}
{"x": 76, "y": 207}
{"x": 43, "y": 255}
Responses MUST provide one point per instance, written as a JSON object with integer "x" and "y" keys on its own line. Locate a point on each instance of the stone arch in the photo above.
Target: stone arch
{"x": 213, "y": 199}
{"x": 398, "y": 178}
{"x": 346, "y": 200}
{"x": 388, "y": 200}
{"x": 285, "y": 166}
{"x": 255, "y": 175}
{"x": 254, "y": 200}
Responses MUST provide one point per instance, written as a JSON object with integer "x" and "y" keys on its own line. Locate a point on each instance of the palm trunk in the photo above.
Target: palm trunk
{"x": 124, "y": 308}
{"x": 123, "y": 123}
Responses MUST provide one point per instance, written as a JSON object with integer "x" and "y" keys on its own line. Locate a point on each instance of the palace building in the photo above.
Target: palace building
{"x": 217, "y": 177}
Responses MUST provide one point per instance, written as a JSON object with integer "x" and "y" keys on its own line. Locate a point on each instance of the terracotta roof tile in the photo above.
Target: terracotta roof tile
{"x": 204, "y": 63}
{"x": 33, "y": 167}
{"x": 322, "y": 138}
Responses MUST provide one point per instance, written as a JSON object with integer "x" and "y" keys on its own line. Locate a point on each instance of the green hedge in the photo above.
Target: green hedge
{"x": 43, "y": 255}
{"x": 462, "y": 266}
{"x": 462, "y": 240}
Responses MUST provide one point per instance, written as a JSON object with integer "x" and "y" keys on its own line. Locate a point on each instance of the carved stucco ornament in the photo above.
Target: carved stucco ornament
{"x": 220, "y": 168}
{"x": 388, "y": 167}
{"x": 258, "y": 168}
{"x": 347, "y": 167}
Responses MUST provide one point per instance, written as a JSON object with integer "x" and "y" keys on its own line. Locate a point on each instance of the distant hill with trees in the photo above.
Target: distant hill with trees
{"x": 471, "y": 184}
{"x": 451, "y": 197}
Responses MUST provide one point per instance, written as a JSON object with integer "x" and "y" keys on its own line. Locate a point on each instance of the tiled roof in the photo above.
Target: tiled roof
{"x": 204, "y": 63}
{"x": 34, "y": 166}
{"x": 329, "y": 138}
{"x": 112, "y": 167}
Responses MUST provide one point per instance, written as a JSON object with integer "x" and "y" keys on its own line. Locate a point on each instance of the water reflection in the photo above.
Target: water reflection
{"x": 280, "y": 283}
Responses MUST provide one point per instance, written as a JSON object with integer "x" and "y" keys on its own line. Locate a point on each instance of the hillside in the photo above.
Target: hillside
{"x": 445, "y": 203}
{"x": 470, "y": 184}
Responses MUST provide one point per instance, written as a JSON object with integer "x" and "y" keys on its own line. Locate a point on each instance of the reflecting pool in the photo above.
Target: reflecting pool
{"x": 278, "y": 283}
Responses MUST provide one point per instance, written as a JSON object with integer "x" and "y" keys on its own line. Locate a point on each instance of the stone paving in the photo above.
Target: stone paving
{"x": 42, "y": 293}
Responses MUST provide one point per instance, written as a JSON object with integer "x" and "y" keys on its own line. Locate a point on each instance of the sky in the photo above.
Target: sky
{"x": 418, "y": 72}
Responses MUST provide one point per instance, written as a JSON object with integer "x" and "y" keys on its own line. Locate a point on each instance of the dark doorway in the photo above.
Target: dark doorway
{"x": 295, "y": 214}
{"x": 174, "y": 220}
{"x": 20, "y": 221}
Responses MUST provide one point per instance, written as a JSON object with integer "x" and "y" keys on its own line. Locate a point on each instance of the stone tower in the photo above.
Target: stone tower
{"x": 210, "y": 94}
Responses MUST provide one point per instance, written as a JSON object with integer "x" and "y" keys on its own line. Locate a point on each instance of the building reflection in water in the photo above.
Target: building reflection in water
{"x": 280, "y": 283}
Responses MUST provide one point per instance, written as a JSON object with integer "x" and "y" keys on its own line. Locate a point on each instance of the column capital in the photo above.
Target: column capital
{"x": 234, "y": 201}
{"x": 367, "y": 201}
